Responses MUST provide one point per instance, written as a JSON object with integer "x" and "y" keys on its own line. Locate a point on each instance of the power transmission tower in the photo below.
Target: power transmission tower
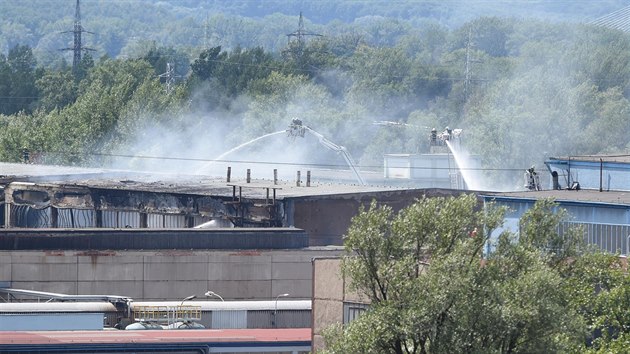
{"x": 468, "y": 75}
{"x": 78, "y": 47}
{"x": 297, "y": 39}
{"x": 169, "y": 76}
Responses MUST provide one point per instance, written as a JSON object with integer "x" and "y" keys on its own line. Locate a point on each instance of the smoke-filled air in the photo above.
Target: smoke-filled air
{"x": 209, "y": 84}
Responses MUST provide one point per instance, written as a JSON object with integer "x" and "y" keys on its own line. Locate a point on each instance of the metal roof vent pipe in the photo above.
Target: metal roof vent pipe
{"x": 308, "y": 178}
{"x": 554, "y": 179}
{"x": 297, "y": 180}
{"x": 275, "y": 176}
{"x": 601, "y": 174}
{"x": 229, "y": 173}
{"x": 249, "y": 175}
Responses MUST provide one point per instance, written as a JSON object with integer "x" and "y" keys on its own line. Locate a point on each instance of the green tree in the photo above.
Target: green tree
{"x": 159, "y": 57}
{"x": 432, "y": 292}
{"x": 242, "y": 67}
{"x": 86, "y": 63}
{"x": 5, "y": 85}
{"x": 91, "y": 123}
{"x": 57, "y": 90}
{"x": 599, "y": 285}
{"x": 21, "y": 72}
{"x": 204, "y": 67}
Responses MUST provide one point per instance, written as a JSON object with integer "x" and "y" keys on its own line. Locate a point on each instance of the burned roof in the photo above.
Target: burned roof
{"x": 10, "y": 172}
{"x": 565, "y": 195}
{"x": 62, "y": 176}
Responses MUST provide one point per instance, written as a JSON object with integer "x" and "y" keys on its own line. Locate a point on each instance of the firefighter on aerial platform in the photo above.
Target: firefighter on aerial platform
{"x": 532, "y": 181}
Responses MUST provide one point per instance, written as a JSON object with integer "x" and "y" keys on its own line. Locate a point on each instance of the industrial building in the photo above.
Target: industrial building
{"x": 84, "y": 199}
{"x": 600, "y": 172}
{"x": 446, "y": 165}
{"x": 164, "y": 237}
{"x": 603, "y": 216}
{"x": 160, "y": 238}
{"x": 333, "y": 302}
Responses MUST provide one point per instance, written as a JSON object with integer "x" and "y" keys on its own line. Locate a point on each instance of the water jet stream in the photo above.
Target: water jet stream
{"x": 465, "y": 167}
{"x": 223, "y": 155}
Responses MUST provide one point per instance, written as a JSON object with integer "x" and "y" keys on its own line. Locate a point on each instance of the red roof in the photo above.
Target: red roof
{"x": 156, "y": 336}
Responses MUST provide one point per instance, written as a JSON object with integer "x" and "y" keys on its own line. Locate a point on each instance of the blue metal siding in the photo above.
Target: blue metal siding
{"x": 606, "y": 226}
{"x": 614, "y": 176}
{"x": 578, "y": 212}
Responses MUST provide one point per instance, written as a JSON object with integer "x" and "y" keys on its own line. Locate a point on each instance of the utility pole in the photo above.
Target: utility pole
{"x": 78, "y": 47}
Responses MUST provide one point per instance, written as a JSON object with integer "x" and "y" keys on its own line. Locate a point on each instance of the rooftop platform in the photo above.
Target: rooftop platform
{"x": 582, "y": 195}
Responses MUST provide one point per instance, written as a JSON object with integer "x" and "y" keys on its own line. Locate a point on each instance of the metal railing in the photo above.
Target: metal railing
{"x": 167, "y": 314}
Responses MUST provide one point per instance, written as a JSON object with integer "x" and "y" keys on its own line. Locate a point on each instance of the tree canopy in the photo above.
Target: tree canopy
{"x": 432, "y": 289}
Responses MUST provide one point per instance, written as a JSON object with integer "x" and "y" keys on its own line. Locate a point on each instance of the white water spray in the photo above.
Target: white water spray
{"x": 466, "y": 167}
{"x": 223, "y": 155}
{"x": 235, "y": 149}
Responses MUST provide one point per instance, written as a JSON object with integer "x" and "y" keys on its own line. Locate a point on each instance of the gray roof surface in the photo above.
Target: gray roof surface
{"x": 219, "y": 187}
{"x": 20, "y": 170}
{"x": 582, "y": 195}
{"x": 174, "y": 183}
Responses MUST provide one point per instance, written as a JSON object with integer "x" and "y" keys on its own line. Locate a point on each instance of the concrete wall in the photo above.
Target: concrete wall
{"x": 164, "y": 275}
{"x": 327, "y": 218}
{"x": 330, "y": 291}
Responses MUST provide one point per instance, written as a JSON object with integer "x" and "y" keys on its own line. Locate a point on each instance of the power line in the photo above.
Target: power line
{"x": 192, "y": 159}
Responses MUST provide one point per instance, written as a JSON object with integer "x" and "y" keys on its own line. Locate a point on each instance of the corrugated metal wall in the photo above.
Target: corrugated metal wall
{"x": 165, "y": 221}
{"x": 256, "y": 319}
{"x": 229, "y": 319}
{"x": 121, "y": 219}
{"x": 28, "y": 217}
{"x": 25, "y": 216}
{"x": 613, "y": 238}
{"x": 284, "y": 319}
{"x": 75, "y": 218}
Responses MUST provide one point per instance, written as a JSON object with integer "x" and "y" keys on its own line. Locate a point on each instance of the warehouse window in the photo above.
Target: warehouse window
{"x": 352, "y": 310}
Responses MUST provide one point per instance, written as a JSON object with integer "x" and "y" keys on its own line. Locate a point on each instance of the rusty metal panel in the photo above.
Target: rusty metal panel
{"x": 72, "y": 199}
{"x": 33, "y": 198}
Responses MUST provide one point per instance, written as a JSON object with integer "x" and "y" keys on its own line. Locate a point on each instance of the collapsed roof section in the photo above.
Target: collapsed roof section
{"x": 101, "y": 199}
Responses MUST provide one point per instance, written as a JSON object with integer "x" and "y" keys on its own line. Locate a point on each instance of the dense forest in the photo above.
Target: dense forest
{"x": 521, "y": 88}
